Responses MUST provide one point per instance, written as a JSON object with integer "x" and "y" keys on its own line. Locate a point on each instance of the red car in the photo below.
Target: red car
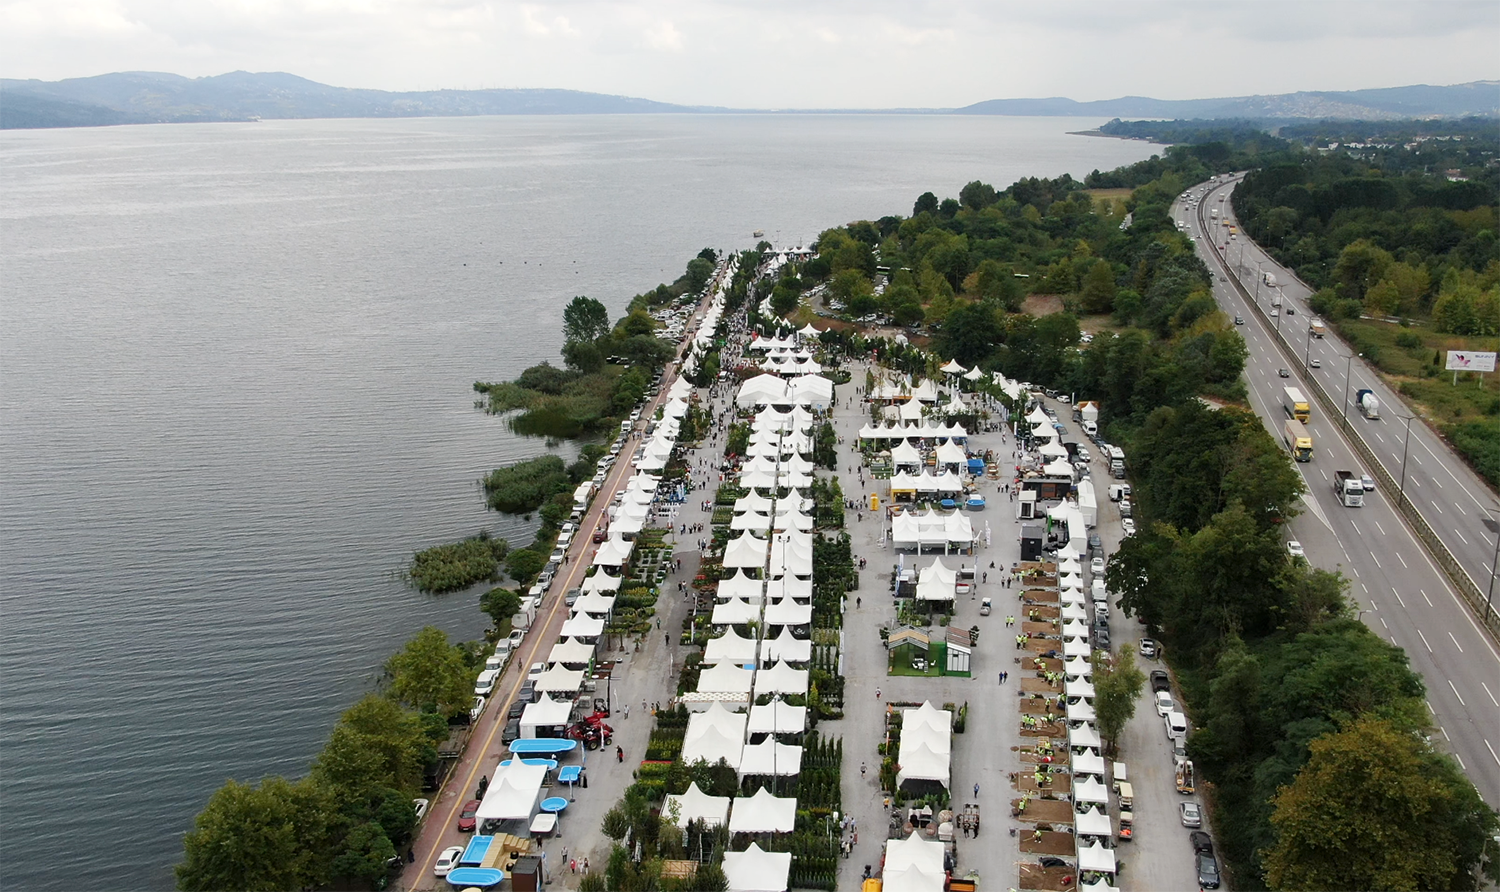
{"x": 466, "y": 817}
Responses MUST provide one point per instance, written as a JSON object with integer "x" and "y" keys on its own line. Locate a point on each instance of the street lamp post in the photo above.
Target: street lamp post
{"x": 1307, "y": 352}
{"x": 1406, "y": 441}
{"x": 1259, "y": 277}
{"x": 1348, "y": 367}
{"x": 1494, "y": 564}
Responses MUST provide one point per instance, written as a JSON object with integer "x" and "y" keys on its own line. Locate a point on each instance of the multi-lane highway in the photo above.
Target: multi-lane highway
{"x": 1401, "y": 593}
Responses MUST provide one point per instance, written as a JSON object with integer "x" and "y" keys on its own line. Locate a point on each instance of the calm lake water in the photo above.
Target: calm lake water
{"x": 235, "y": 368}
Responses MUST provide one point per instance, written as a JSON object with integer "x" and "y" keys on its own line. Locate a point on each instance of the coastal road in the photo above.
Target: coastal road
{"x": 481, "y": 756}
{"x": 1400, "y": 593}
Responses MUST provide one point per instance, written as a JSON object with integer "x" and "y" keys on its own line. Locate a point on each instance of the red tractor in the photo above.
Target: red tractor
{"x": 592, "y": 732}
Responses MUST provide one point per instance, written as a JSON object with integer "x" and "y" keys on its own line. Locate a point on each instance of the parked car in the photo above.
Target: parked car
{"x": 1208, "y": 871}
{"x": 1202, "y": 842}
{"x": 573, "y": 595}
{"x": 1294, "y": 548}
{"x": 447, "y": 860}
{"x": 1192, "y": 815}
{"x": 535, "y": 671}
{"x": 1160, "y": 681}
{"x": 512, "y": 731}
{"x": 478, "y": 709}
{"x": 1148, "y": 648}
{"x": 1164, "y": 704}
{"x": 516, "y": 637}
{"x": 420, "y": 806}
{"x": 485, "y": 683}
{"x": 1096, "y": 545}
{"x": 1096, "y": 566}
{"x": 516, "y": 708}
{"x": 466, "y": 817}
{"x": 1128, "y": 525}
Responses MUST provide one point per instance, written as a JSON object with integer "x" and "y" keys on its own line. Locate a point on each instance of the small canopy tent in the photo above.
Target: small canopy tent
{"x": 781, "y": 679}
{"x": 512, "y": 792}
{"x": 613, "y": 553}
{"x": 731, "y": 647}
{"x": 770, "y": 757}
{"x": 1096, "y": 857}
{"x": 581, "y": 625}
{"x": 545, "y": 714}
{"x": 1093, "y": 822}
{"x": 1088, "y": 763}
{"x": 601, "y": 583}
{"x": 763, "y": 813}
{"x": 740, "y": 586}
{"x": 777, "y": 717}
{"x": 913, "y": 864}
{"x": 696, "y": 805}
{"x": 1087, "y": 789}
{"x": 746, "y": 551}
{"x": 754, "y": 870}
{"x": 787, "y": 647}
{"x": 559, "y": 680}
{"x": 734, "y": 611}
{"x": 594, "y": 603}
{"x": 1083, "y": 737}
{"x": 725, "y": 678}
{"x": 572, "y": 652}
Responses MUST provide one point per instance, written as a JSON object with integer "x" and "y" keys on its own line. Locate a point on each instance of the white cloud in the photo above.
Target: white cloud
{"x": 774, "y": 53}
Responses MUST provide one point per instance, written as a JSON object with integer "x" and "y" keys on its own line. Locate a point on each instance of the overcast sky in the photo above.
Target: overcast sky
{"x": 775, "y": 53}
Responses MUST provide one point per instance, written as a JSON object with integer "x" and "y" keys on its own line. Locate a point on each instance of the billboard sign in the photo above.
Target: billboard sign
{"x": 1470, "y": 361}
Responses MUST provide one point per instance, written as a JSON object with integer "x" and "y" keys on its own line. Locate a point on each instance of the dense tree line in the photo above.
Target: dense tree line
{"x": 1295, "y": 704}
{"x": 344, "y": 822}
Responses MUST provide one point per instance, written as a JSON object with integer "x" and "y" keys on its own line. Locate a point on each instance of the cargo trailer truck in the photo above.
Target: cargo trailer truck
{"x": 1349, "y": 488}
{"x": 1298, "y": 440}
{"x": 1295, "y": 405}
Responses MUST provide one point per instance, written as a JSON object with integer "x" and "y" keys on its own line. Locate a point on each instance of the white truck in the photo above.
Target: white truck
{"x": 1349, "y": 489}
{"x": 1271, "y": 280}
{"x": 1317, "y": 328}
{"x": 1116, "y": 462}
{"x": 1369, "y": 406}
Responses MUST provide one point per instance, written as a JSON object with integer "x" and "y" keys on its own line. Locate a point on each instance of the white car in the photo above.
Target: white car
{"x": 447, "y": 860}
{"x": 1192, "y": 815}
{"x": 478, "y": 710}
{"x": 485, "y": 683}
{"x": 535, "y": 671}
{"x": 1294, "y": 548}
{"x": 420, "y": 807}
{"x": 1164, "y": 704}
{"x": 1128, "y": 526}
{"x": 1096, "y": 566}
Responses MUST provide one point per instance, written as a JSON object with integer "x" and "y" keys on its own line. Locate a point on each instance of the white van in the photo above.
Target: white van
{"x": 1100, "y": 595}
{"x": 486, "y": 682}
{"x": 1176, "y": 724}
{"x": 498, "y": 659}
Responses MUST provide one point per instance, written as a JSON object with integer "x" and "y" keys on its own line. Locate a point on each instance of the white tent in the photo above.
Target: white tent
{"x": 571, "y": 651}
{"x": 696, "y": 805}
{"x": 787, "y": 612}
{"x": 725, "y": 678}
{"x": 559, "y": 680}
{"x": 680, "y": 389}
{"x": 763, "y": 813}
{"x": 1075, "y": 629}
{"x": 601, "y": 582}
{"x": 1083, "y": 737}
{"x": 1088, "y": 789}
{"x": 789, "y": 587}
{"x": 613, "y": 553}
{"x": 512, "y": 792}
{"x": 950, "y": 453}
{"x": 811, "y": 389}
{"x": 752, "y": 501}
{"x": 762, "y": 390}
{"x": 740, "y": 586}
{"x": 594, "y": 603}
{"x": 937, "y": 583}
{"x": 1075, "y": 647}
{"x": 1078, "y": 667}
{"x": 734, "y": 610}
{"x": 750, "y": 521}
{"x": 926, "y": 391}
{"x": 1074, "y": 612}
{"x": 913, "y": 864}
{"x": 953, "y": 368}
{"x": 1080, "y": 712}
{"x": 674, "y": 408}
{"x": 1096, "y": 857}
{"x": 1093, "y": 822}
{"x": 714, "y": 734}
{"x": 790, "y": 555}
{"x": 754, "y": 870}
{"x": 926, "y": 744}
{"x": 1088, "y": 764}
{"x": 911, "y": 410}
{"x": 582, "y": 625}
{"x": 1070, "y": 565}
{"x": 545, "y": 713}
{"x": 1079, "y": 687}
{"x": 780, "y": 678}
{"x": 729, "y": 648}
{"x": 770, "y": 757}
{"x": 746, "y": 551}
{"x": 1052, "y": 450}
{"x": 777, "y": 717}
{"x": 787, "y": 647}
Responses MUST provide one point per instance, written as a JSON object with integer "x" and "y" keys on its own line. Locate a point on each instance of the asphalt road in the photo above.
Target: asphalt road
{"x": 1400, "y": 592}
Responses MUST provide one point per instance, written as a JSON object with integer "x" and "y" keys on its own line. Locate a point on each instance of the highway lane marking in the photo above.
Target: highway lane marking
{"x": 1402, "y": 560}
{"x": 1378, "y": 436}
{"x": 1455, "y": 643}
{"x": 1356, "y": 530}
{"x": 1427, "y": 599}
{"x": 1384, "y": 623}
{"x": 1435, "y": 505}
{"x": 1461, "y": 509}
{"x": 1380, "y": 528}
{"x": 1398, "y": 598}
{"x": 1490, "y": 694}
{"x": 1492, "y": 751}
{"x": 1445, "y": 733}
{"x": 1461, "y": 764}
{"x": 1461, "y": 535}
{"x": 1377, "y": 560}
{"x": 1429, "y": 650}
{"x": 1456, "y": 694}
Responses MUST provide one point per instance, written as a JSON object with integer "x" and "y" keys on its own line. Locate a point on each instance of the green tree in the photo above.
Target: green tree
{"x": 429, "y": 673}
{"x": 585, "y": 319}
{"x": 500, "y": 604}
{"x": 256, "y": 838}
{"x": 1116, "y": 690}
{"x": 699, "y": 269}
{"x": 1360, "y": 265}
{"x": 584, "y": 357}
{"x": 970, "y": 333}
{"x": 976, "y": 196}
{"x": 364, "y": 854}
{"x": 1098, "y": 294}
{"x": 1365, "y": 813}
{"x": 376, "y": 744}
{"x": 524, "y": 564}
{"x": 927, "y": 203}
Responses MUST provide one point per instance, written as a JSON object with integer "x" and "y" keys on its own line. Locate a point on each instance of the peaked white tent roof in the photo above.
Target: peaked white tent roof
{"x": 696, "y": 805}
{"x": 512, "y": 792}
{"x": 750, "y": 520}
{"x": 1079, "y": 687}
{"x": 1075, "y": 629}
{"x": 754, "y": 870}
{"x": 559, "y": 679}
{"x": 1080, "y": 712}
{"x": 571, "y": 650}
{"x": 714, "y": 734}
{"x": 729, "y": 648}
{"x": 735, "y": 610}
{"x": 1096, "y": 857}
{"x": 674, "y": 408}
{"x": 808, "y": 331}
{"x": 928, "y": 719}
{"x": 1088, "y": 789}
{"x": 781, "y": 678}
{"x": 1093, "y": 822}
{"x": 680, "y": 389}
{"x": 745, "y": 551}
{"x": 595, "y": 603}
{"x": 725, "y": 678}
{"x": 973, "y": 374}
{"x": 1074, "y": 612}
{"x": 770, "y": 757}
{"x": 953, "y": 368}
{"x": 545, "y": 713}
{"x": 740, "y": 586}
{"x": 787, "y": 612}
{"x": 812, "y": 389}
{"x": 926, "y": 744}
{"x": 1088, "y": 763}
{"x": 752, "y": 501}
{"x": 762, "y": 390}
{"x": 581, "y": 625}
{"x": 789, "y": 587}
{"x": 763, "y": 813}
{"x": 779, "y": 718}
{"x": 903, "y": 454}
{"x": 613, "y": 553}
{"x": 1075, "y": 647}
{"x": 787, "y": 647}
{"x": 601, "y": 582}
{"x": 936, "y": 582}
{"x": 950, "y": 453}
{"x": 1084, "y": 737}
{"x": 1078, "y": 667}
{"x": 913, "y": 864}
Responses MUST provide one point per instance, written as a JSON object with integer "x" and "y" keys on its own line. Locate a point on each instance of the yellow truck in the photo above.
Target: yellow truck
{"x": 1298, "y": 440}
{"x": 1295, "y": 405}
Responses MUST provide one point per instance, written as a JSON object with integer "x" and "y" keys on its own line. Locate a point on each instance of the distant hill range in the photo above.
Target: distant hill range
{"x": 142, "y": 97}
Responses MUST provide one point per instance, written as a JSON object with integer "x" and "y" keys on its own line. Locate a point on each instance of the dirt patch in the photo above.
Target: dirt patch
{"x": 1053, "y": 842}
{"x": 1042, "y": 304}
